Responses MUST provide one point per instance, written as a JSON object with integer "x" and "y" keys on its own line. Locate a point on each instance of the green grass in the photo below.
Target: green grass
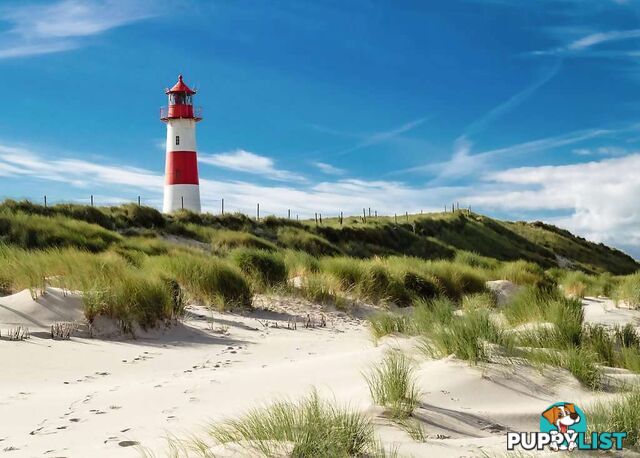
{"x": 386, "y": 323}
{"x": 392, "y": 384}
{"x": 212, "y": 281}
{"x": 619, "y": 414}
{"x": 265, "y": 268}
{"x": 466, "y": 336}
{"x": 310, "y": 427}
{"x": 225, "y": 240}
{"x": 533, "y": 305}
{"x": 304, "y": 240}
{"x": 628, "y": 290}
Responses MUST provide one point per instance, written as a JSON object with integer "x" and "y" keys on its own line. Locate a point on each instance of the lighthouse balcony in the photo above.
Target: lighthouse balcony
{"x": 180, "y": 112}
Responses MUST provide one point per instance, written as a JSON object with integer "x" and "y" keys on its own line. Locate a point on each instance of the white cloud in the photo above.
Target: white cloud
{"x": 588, "y": 41}
{"x": 60, "y": 26}
{"x": 598, "y": 196}
{"x": 248, "y": 162}
{"x": 601, "y": 151}
{"x": 328, "y": 168}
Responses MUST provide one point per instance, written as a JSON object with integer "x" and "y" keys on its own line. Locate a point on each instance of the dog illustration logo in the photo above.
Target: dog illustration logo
{"x": 565, "y": 420}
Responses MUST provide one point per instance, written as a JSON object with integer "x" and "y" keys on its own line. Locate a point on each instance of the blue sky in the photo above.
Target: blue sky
{"x": 523, "y": 110}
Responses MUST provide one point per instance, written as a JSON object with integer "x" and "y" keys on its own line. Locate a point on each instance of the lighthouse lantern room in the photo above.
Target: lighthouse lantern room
{"x": 182, "y": 186}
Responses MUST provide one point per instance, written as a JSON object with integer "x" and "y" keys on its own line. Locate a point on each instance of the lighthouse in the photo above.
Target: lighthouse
{"x": 181, "y": 185}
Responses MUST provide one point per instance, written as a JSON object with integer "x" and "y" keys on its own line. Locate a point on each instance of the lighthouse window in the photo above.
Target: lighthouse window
{"x": 177, "y": 140}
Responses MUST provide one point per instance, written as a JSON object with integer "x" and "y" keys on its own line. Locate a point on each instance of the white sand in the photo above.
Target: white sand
{"x": 88, "y": 397}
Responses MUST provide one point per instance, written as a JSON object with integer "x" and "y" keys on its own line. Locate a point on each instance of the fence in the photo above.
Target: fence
{"x": 368, "y": 213}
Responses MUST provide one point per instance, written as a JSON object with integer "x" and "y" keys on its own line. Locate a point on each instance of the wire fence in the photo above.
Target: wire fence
{"x": 221, "y": 206}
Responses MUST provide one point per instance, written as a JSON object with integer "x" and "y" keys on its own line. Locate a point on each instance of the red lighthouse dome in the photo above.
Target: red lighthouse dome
{"x": 180, "y": 103}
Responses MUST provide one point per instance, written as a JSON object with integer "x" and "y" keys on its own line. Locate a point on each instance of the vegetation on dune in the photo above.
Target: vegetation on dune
{"x": 265, "y": 268}
{"x": 619, "y": 414}
{"x": 212, "y": 281}
{"x": 310, "y": 427}
{"x": 392, "y": 384}
{"x": 222, "y": 260}
{"x": 475, "y": 240}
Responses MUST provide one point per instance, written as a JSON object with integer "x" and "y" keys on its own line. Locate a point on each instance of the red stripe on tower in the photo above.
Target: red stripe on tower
{"x": 182, "y": 168}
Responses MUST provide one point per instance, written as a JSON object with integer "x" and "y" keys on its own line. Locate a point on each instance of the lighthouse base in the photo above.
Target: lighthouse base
{"x": 181, "y": 196}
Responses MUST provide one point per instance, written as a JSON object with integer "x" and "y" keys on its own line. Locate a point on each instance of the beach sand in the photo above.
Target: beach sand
{"x": 105, "y": 397}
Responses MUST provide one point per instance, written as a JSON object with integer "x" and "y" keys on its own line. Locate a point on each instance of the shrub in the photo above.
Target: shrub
{"x": 265, "y": 267}
{"x": 522, "y": 273}
{"x": 420, "y": 286}
{"x": 619, "y": 414}
{"x": 465, "y": 336}
{"x": 212, "y": 281}
{"x": 36, "y": 232}
{"x": 479, "y": 301}
{"x": 534, "y": 304}
{"x": 348, "y": 271}
{"x": 299, "y": 239}
{"x": 455, "y": 280}
{"x": 321, "y": 288}
{"x": 392, "y": 384}
{"x": 314, "y": 428}
{"x": 475, "y": 260}
{"x": 628, "y": 290}
{"x": 131, "y": 298}
{"x": 227, "y": 240}
{"x": 385, "y": 323}
{"x": 299, "y": 263}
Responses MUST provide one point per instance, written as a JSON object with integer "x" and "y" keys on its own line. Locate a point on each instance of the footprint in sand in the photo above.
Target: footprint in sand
{"x": 128, "y": 443}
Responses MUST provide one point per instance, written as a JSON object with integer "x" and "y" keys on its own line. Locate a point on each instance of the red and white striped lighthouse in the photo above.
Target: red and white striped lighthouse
{"x": 181, "y": 186}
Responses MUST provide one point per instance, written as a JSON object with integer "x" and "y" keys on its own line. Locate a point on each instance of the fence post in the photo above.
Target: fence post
{"x": 369, "y": 212}
{"x": 340, "y": 218}
{"x": 406, "y": 214}
{"x": 320, "y": 218}
{"x": 395, "y": 218}
{"x": 182, "y": 202}
{"x": 258, "y": 212}
{"x": 376, "y": 214}
{"x": 364, "y": 215}
{"x": 289, "y": 213}
{"x": 45, "y": 201}
{"x": 138, "y": 201}
{"x": 92, "y": 200}
{"x": 222, "y": 205}
{"x": 297, "y": 218}
{"x": 316, "y": 218}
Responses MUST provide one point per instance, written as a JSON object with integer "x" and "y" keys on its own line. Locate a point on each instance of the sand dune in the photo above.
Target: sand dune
{"x": 101, "y": 398}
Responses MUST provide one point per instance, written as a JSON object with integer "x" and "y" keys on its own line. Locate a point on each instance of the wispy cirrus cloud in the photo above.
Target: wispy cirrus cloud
{"x": 328, "y": 168}
{"x": 588, "y": 41}
{"x": 37, "y": 28}
{"x": 245, "y": 161}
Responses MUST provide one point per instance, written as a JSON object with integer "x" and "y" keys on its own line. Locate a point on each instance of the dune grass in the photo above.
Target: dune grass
{"x": 265, "y": 268}
{"x": 628, "y": 290}
{"x": 466, "y": 336}
{"x": 533, "y": 305}
{"x": 386, "y": 323}
{"x": 225, "y": 240}
{"x": 392, "y": 384}
{"x": 310, "y": 427}
{"x": 619, "y": 414}
{"x": 212, "y": 281}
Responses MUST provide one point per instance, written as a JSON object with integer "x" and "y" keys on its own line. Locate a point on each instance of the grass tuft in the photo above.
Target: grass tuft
{"x": 310, "y": 427}
{"x": 392, "y": 384}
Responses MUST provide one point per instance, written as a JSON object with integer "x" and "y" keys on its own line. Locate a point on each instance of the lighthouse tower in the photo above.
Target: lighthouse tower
{"x": 181, "y": 186}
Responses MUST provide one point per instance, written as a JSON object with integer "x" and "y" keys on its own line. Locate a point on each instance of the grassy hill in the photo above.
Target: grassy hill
{"x": 430, "y": 236}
